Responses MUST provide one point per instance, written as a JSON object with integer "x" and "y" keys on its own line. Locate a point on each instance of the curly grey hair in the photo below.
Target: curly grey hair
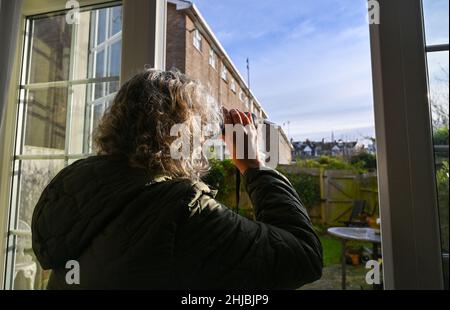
{"x": 139, "y": 122}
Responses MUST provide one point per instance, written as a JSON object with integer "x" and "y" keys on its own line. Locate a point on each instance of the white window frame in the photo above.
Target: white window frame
{"x": 212, "y": 58}
{"x": 251, "y": 105}
{"x": 105, "y": 47}
{"x": 410, "y": 228}
{"x": 233, "y": 85}
{"x": 241, "y": 95}
{"x": 197, "y": 39}
{"x": 146, "y": 49}
{"x": 224, "y": 73}
{"x": 106, "y": 96}
{"x": 66, "y": 156}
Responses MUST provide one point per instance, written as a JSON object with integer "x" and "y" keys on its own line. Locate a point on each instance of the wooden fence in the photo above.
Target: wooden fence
{"x": 339, "y": 189}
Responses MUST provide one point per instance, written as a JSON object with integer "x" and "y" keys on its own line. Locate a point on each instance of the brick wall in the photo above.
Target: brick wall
{"x": 176, "y": 39}
{"x": 184, "y": 56}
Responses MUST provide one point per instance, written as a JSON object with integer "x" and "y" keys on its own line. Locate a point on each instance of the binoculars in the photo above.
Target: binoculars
{"x": 255, "y": 119}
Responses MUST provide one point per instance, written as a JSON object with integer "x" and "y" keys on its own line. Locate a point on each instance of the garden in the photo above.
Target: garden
{"x": 331, "y": 188}
{"x": 328, "y": 188}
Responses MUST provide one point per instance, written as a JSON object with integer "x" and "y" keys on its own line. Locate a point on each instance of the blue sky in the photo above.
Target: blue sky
{"x": 310, "y": 60}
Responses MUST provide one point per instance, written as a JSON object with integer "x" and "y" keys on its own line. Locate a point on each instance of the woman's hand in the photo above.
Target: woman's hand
{"x": 244, "y": 152}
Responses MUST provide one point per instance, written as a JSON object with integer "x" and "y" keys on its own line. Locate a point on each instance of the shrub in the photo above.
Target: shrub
{"x": 332, "y": 163}
{"x": 308, "y": 163}
{"x": 221, "y": 176}
{"x": 364, "y": 160}
{"x": 440, "y": 136}
{"x": 335, "y": 163}
{"x": 442, "y": 186}
{"x": 306, "y": 186}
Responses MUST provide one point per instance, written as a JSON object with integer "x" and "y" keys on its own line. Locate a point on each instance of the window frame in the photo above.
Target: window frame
{"x": 224, "y": 73}
{"x": 394, "y": 42}
{"x": 212, "y": 59}
{"x": 197, "y": 40}
{"x": 241, "y": 95}
{"x": 148, "y": 49}
{"x": 409, "y": 221}
{"x": 233, "y": 85}
{"x": 247, "y": 102}
{"x": 18, "y": 157}
{"x": 430, "y": 49}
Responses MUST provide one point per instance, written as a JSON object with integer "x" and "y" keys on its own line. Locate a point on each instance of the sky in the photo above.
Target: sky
{"x": 310, "y": 61}
{"x": 436, "y": 32}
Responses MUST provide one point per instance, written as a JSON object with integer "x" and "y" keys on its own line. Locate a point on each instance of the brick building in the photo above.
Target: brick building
{"x": 193, "y": 49}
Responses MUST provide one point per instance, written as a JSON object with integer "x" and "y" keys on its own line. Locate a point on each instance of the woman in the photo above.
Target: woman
{"x": 133, "y": 217}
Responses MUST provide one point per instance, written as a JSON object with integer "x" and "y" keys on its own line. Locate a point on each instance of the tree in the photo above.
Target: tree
{"x": 365, "y": 161}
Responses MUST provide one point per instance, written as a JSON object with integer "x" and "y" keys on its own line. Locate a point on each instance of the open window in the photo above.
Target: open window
{"x": 436, "y": 23}
{"x": 65, "y": 76}
{"x": 67, "y": 69}
{"x": 70, "y": 73}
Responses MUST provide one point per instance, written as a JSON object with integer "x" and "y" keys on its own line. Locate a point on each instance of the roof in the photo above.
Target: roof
{"x": 336, "y": 148}
{"x": 325, "y": 146}
{"x": 283, "y": 134}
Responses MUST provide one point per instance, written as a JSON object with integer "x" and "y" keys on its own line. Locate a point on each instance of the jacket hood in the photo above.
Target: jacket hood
{"x": 78, "y": 203}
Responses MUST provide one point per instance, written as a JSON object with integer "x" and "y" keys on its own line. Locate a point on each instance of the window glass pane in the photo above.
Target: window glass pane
{"x": 99, "y": 90}
{"x": 96, "y": 112}
{"x": 197, "y": 40}
{"x": 52, "y": 44}
{"x": 436, "y": 21}
{"x": 116, "y": 20}
{"x": 438, "y": 68}
{"x": 115, "y": 59}
{"x": 113, "y": 87}
{"x": 34, "y": 177}
{"x": 114, "y": 65}
{"x": 92, "y": 29}
{"x": 80, "y": 47}
{"x": 99, "y": 72}
{"x": 100, "y": 64}
{"x": 101, "y": 31}
{"x": 50, "y": 50}
{"x": 77, "y": 122}
{"x": 46, "y": 112}
{"x": 99, "y": 109}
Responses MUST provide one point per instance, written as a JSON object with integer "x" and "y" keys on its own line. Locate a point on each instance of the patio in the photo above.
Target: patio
{"x": 331, "y": 279}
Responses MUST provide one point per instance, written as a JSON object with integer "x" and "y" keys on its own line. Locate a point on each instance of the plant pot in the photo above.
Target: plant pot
{"x": 355, "y": 258}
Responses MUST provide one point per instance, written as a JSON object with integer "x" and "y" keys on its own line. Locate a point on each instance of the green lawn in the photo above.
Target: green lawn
{"x": 331, "y": 250}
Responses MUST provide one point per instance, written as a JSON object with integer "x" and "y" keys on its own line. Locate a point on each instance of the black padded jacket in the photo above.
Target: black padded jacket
{"x": 128, "y": 232}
